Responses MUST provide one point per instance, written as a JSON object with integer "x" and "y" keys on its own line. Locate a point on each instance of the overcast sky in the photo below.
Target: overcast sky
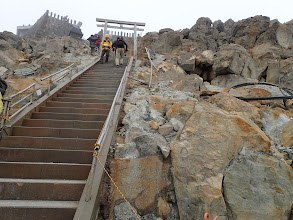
{"x": 157, "y": 14}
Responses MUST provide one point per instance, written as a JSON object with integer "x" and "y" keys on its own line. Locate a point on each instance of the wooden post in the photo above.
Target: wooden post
{"x": 135, "y": 43}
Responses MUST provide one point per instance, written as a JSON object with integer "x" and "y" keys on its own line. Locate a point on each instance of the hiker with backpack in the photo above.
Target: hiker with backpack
{"x": 119, "y": 46}
{"x": 106, "y": 46}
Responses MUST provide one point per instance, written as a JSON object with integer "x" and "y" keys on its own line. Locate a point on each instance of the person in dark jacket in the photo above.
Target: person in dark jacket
{"x": 119, "y": 46}
{"x": 92, "y": 39}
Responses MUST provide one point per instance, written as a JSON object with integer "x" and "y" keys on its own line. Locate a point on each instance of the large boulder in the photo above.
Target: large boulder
{"x": 228, "y": 81}
{"x": 189, "y": 83}
{"x": 14, "y": 40}
{"x": 231, "y": 104}
{"x": 210, "y": 140}
{"x": 234, "y": 59}
{"x": 269, "y": 36}
{"x": 274, "y": 121}
{"x": 247, "y": 31}
{"x": 141, "y": 181}
{"x": 219, "y": 25}
{"x": 165, "y": 30}
{"x": 258, "y": 187}
{"x": 8, "y": 54}
{"x": 186, "y": 60}
{"x": 165, "y": 42}
{"x": 287, "y": 135}
{"x": 285, "y": 34}
{"x": 228, "y": 25}
{"x": 202, "y": 24}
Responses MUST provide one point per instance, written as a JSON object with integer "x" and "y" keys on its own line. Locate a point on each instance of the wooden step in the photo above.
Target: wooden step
{"x": 78, "y": 104}
{"x": 34, "y": 170}
{"x": 74, "y": 110}
{"x": 55, "y": 132}
{"x": 84, "y": 100}
{"x": 68, "y": 116}
{"x": 45, "y": 155}
{"x": 47, "y": 143}
{"x": 63, "y": 123}
{"x": 37, "y": 210}
{"x": 41, "y": 189}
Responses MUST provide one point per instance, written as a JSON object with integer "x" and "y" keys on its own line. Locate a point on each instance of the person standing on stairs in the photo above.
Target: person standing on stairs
{"x": 106, "y": 46}
{"x": 119, "y": 46}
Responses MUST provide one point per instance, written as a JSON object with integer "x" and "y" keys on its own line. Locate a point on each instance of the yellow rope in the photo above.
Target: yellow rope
{"x": 6, "y": 118}
{"x": 97, "y": 156}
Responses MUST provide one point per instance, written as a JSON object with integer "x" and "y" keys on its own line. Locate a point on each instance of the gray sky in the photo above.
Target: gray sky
{"x": 157, "y": 14}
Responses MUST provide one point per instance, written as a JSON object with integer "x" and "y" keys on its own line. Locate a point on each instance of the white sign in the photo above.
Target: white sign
{"x": 39, "y": 92}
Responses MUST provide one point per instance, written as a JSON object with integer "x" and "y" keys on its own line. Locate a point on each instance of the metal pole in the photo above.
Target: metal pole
{"x": 49, "y": 88}
{"x": 33, "y": 92}
{"x": 135, "y": 43}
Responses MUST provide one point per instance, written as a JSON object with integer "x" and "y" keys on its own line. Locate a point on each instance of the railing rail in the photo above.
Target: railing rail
{"x": 88, "y": 204}
{"x": 152, "y": 64}
{"x": 108, "y": 122}
{"x": 61, "y": 77}
{"x": 7, "y": 102}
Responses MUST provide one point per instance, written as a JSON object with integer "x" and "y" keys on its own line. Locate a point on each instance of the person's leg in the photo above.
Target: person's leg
{"x": 117, "y": 57}
{"x": 107, "y": 55}
{"x": 121, "y": 56}
{"x": 102, "y": 56}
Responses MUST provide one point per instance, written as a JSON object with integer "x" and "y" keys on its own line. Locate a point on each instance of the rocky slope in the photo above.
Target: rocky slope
{"x": 25, "y": 60}
{"x": 187, "y": 145}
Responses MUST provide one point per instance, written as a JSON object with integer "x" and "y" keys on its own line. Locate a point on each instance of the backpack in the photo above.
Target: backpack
{"x": 120, "y": 42}
{"x": 3, "y": 86}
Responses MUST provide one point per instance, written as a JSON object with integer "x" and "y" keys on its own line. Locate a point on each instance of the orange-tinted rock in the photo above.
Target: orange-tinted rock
{"x": 232, "y": 104}
{"x": 181, "y": 111}
{"x": 160, "y": 103}
{"x": 163, "y": 209}
{"x": 140, "y": 180}
{"x": 154, "y": 125}
{"x": 165, "y": 129}
{"x": 189, "y": 83}
{"x": 209, "y": 141}
{"x": 287, "y": 135}
{"x": 120, "y": 140}
{"x": 260, "y": 92}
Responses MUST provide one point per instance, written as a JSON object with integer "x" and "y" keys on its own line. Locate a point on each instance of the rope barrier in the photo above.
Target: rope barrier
{"x": 6, "y": 119}
{"x": 96, "y": 155}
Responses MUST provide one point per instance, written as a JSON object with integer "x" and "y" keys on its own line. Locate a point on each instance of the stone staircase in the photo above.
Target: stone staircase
{"x": 44, "y": 164}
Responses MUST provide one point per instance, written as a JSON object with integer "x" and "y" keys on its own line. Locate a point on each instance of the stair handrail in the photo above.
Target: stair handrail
{"x": 152, "y": 64}
{"x": 8, "y": 105}
{"x": 61, "y": 77}
{"x": 88, "y": 202}
{"x": 7, "y": 102}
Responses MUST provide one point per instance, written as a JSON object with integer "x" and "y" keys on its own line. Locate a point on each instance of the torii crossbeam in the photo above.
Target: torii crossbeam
{"x": 131, "y": 26}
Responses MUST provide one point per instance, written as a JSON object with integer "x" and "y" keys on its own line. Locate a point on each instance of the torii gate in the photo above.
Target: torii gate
{"x": 134, "y": 27}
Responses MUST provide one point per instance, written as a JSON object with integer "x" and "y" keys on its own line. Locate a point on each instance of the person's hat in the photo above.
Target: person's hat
{"x": 107, "y": 35}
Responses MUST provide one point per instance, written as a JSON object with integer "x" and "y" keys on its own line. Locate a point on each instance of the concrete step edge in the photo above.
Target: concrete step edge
{"x": 38, "y": 204}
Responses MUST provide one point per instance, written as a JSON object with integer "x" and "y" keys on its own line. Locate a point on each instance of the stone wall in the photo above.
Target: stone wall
{"x": 51, "y": 26}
